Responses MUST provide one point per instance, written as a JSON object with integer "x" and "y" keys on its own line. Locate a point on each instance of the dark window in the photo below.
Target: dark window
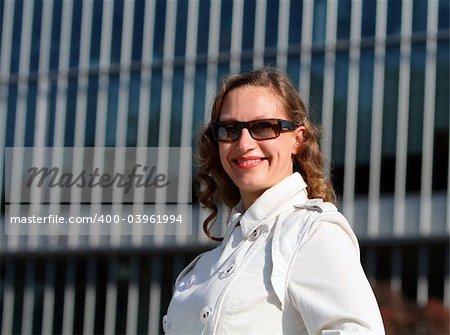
{"x": 248, "y": 26}
{"x": 226, "y": 18}
{"x": 272, "y": 26}
{"x": 181, "y": 28}
{"x": 319, "y": 23}
{"x": 117, "y": 24}
{"x": 344, "y": 19}
{"x": 368, "y": 18}
{"x": 394, "y": 14}
{"x": 295, "y": 22}
{"x": 203, "y": 26}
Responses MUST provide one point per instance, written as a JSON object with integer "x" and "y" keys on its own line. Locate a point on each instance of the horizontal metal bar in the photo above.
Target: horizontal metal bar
{"x": 106, "y": 251}
{"x": 117, "y": 68}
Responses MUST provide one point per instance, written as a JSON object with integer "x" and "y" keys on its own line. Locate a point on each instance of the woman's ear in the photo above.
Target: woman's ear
{"x": 298, "y": 137}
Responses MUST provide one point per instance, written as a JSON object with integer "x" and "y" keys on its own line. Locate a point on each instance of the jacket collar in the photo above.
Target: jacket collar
{"x": 291, "y": 190}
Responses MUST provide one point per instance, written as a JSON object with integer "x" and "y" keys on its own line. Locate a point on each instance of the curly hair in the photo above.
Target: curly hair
{"x": 216, "y": 186}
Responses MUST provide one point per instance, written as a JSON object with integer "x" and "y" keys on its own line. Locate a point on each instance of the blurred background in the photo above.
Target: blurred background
{"x": 142, "y": 73}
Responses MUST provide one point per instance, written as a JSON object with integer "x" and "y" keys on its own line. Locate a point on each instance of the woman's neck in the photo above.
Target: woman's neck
{"x": 248, "y": 198}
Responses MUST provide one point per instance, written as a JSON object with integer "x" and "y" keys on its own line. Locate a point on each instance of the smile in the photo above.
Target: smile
{"x": 247, "y": 162}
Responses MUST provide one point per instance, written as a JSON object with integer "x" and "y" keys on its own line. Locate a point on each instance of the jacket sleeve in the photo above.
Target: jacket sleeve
{"x": 327, "y": 285}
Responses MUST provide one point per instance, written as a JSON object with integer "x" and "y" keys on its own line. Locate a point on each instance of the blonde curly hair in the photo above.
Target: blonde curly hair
{"x": 216, "y": 186}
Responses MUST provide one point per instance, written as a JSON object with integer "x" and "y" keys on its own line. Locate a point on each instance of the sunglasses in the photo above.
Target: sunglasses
{"x": 264, "y": 129}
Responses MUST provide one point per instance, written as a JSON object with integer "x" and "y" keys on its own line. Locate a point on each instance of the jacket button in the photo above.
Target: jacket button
{"x": 187, "y": 283}
{"x": 191, "y": 280}
{"x": 228, "y": 271}
{"x": 205, "y": 314}
{"x": 254, "y": 234}
{"x": 165, "y": 323}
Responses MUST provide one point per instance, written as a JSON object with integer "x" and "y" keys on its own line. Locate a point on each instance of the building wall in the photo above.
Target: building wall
{"x": 142, "y": 73}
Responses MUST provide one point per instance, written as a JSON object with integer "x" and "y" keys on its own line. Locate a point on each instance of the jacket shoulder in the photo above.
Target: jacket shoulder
{"x": 293, "y": 229}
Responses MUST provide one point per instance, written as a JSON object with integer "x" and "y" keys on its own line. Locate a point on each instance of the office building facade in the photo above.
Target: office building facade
{"x": 143, "y": 73}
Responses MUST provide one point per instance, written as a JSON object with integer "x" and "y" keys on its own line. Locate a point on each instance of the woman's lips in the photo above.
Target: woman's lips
{"x": 247, "y": 162}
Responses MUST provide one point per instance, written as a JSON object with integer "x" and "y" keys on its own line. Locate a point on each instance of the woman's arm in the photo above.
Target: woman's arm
{"x": 328, "y": 287}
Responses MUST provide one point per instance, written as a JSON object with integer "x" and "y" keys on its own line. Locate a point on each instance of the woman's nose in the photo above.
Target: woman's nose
{"x": 245, "y": 141}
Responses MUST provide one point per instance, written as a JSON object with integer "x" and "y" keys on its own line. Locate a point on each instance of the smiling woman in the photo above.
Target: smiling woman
{"x": 289, "y": 261}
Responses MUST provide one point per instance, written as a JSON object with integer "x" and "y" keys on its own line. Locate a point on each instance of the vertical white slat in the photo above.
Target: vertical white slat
{"x": 78, "y": 152}
{"x": 144, "y": 110}
{"x": 42, "y": 108}
{"x": 83, "y": 82}
{"x": 80, "y": 114}
{"x": 69, "y": 298}
{"x": 283, "y": 34}
{"x": 41, "y": 132}
{"x": 103, "y": 80}
{"x": 62, "y": 83}
{"x": 306, "y": 45}
{"x": 402, "y": 119}
{"x": 111, "y": 296}
{"x": 125, "y": 60}
{"x": 8, "y": 297}
{"x": 49, "y": 298}
{"x": 102, "y": 109}
{"x": 167, "y": 74}
{"x": 329, "y": 81}
{"x": 21, "y": 107}
{"x": 260, "y": 34}
{"x": 5, "y": 63}
{"x": 377, "y": 120}
{"x": 42, "y": 104}
{"x": 236, "y": 36}
{"x": 422, "y": 277}
{"x": 146, "y": 73}
{"x": 213, "y": 51}
{"x": 188, "y": 105}
{"x": 166, "y": 107}
{"x": 89, "y": 302}
{"x": 155, "y": 296}
{"x": 61, "y": 96}
{"x": 211, "y": 82}
{"x": 28, "y": 297}
{"x": 121, "y": 132}
{"x": 122, "y": 112}
{"x": 133, "y": 297}
{"x": 428, "y": 122}
{"x": 60, "y": 126}
{"x": 351, "y": 131}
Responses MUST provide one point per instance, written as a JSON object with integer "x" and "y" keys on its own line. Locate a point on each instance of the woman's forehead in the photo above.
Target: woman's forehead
{"x": 250, "y": 102}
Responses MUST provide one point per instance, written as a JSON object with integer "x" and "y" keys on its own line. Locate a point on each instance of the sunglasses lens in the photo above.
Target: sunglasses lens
{"x": 259, "y": 129}
{"x": 228, "y": 132}
{"x": 266, "y": 129}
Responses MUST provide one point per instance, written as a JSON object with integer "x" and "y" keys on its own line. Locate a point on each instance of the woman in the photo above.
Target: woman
{"x": 289, "y": 261}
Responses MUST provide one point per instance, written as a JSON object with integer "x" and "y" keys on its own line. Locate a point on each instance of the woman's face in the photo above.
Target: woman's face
{"x": 256, "y": 165}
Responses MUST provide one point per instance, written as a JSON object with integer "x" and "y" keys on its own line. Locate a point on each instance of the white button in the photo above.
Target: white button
{"x": 165, "y": 323}
{"x": 228, "y": 271}
{"x": 205, "y": 314}
{"x": 254, "y": 234}
{"x": 191, "y": 280}
{"x": 187, "y": 283}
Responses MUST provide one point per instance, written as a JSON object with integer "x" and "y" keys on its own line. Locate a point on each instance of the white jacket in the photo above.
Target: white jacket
{"x": 287, "y": 265}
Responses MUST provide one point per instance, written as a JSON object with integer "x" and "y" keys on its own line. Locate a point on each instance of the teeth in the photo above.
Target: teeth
{"x": 248, "y": 162}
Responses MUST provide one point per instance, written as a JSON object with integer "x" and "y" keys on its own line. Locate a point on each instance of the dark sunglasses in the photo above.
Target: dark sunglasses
{"x": 264, "y": 129}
